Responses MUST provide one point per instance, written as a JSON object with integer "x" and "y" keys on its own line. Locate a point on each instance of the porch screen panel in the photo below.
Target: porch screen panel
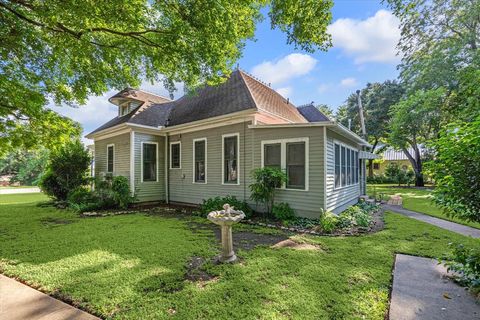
{"x": 230, "y": 149}
{"x": 149, "y": 162}
{"x": 349, "y": 166}
{"x": 344, "y": 167}
{"x": 337, "y": 166}
{"x": 199, "y": 161}
{"x": 295, "y": 165}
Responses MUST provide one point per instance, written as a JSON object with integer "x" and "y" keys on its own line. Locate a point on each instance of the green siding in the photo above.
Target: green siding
{"x": 121, "y": 155}
{"x": 182, "y": 189}
{"x": 149, "y": 190}
{"x": 338, "y": 199}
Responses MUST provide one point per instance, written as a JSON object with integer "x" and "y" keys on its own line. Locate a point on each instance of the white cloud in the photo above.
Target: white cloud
{"x": 285, "y": 91}
{"x": 323, "y": 88}
{"x": 371, "y": 40}
{"x": 348, "y": 82}
{"x": 291, "y": 66}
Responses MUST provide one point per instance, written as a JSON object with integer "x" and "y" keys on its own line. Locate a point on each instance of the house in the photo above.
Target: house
{"x": 390, "y": 155}
{"x": 206, "y": 144}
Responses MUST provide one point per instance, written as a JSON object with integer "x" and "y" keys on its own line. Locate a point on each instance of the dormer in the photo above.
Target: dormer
{"x": 130, "y": 99}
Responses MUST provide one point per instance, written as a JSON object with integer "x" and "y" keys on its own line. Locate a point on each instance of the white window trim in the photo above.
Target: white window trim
{"x": 141, "y": 161}
{"x": 113, "y": 169}
{"x": 193, "y": 165}
{"x": 283, "y": 157}
{"x": 347, "y": 146}
{"x": 238, "y": 158}
{"x": 180, "y": 155}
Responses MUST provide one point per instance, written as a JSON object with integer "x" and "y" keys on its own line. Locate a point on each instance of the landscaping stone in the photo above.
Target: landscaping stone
{"x": 422, "y": 290}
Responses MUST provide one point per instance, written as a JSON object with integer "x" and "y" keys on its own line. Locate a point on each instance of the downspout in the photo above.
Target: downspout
{"x": 244, "y": 161}
{"x": 325, "y": 167}
{"x": 132, "y": 162}
{"x": 167, "y": 172}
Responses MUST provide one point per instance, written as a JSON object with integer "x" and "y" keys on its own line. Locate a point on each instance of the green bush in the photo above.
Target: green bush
{"x": 111, "y": 193}
{"x": 66, "y": 171}
{"x": 267, "y": 180}
{"x": 328, "y": 222}
{"x": 215, "y": 204}
{"x": 282, "y": 211}
{"x": 466, "y": 263}
{"x": 357, "y": 216}
{"x": 379, "y": 179}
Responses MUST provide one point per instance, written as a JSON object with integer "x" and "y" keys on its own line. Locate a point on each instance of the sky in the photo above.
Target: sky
{"x": 364, "y": 34}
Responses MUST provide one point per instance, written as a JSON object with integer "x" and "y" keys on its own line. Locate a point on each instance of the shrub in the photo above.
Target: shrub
{"x": 267, "y": 180}
{"x": 328, "y": 222}
{"x": 466, "y": 263}
{"x": 379, "y": 179}
{"x": 282, "y": 211}
{"x": 399, "y": 175}
{"x": 66, "y": 170}
{"x": 357, "y": 216}
{"x": 215, "y": 204}
{"x": 111, "y": 193}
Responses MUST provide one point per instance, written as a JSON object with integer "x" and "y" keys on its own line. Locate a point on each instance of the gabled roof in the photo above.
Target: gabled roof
{"x": 312, "y": 114}
{"x": 239, "y": 92}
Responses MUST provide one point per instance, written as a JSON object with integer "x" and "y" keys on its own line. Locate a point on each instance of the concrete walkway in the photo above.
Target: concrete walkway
{"x": 19, "y": 302}
{"x": 452, "y": 226}
{"x": 19, "y": 190}
{"x": 422, "y": 291}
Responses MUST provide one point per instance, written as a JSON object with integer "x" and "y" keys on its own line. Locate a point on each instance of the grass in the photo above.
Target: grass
{"x": 133, "y": 266}
{"x": 16, "y": 187}
{"x": 419, "y": 200}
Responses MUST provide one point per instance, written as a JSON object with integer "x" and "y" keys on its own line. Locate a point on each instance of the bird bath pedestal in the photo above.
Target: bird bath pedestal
{"x": 225, "y": 219}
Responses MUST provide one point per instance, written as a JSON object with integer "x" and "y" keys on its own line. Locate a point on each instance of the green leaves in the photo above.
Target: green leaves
{"x": 64, "y": 51}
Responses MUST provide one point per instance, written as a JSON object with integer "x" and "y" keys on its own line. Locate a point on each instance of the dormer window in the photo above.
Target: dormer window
{"x": 127, "y": 107}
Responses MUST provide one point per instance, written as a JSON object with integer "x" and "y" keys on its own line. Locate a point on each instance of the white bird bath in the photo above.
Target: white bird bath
{"x": 225, "y": 219}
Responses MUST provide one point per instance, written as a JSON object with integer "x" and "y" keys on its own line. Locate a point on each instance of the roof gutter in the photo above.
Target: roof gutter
{"x": 329, "y": 124}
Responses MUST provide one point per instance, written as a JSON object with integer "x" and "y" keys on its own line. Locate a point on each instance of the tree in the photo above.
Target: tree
{"x": 438, "y": 39}
{"x": 326, "y": 110}
{"x": 377, "y": 99}
{"x": 26, "y": 167}
{"x": 64, "y": 51}
{"x": 415, "y": 121}
{"x": 66, "y": 171}
{"x": 267, "y": 180}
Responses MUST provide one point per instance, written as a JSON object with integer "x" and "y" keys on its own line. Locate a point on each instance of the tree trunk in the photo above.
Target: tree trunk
{"x": 370, "y": 168}
{"x": 416, "y": 164}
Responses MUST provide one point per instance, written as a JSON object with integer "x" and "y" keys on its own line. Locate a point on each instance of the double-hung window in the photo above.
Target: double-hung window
{"x": 291, "y": 156}
{"x": 110, "y": 158}
{"x": 230, "y": 158}
{"x": 345, "y": 166}
{"x": 149, "y": 161}
{"x": 175, "y": 155}
{"x": 200, "y": 160}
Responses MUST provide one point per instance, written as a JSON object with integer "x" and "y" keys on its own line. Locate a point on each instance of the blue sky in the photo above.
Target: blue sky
{"x": 364, "y": 37}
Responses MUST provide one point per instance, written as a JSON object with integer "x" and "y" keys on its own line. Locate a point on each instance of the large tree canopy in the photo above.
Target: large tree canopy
{"x": 64, "y": 51}
{"x": 438, "y": 39}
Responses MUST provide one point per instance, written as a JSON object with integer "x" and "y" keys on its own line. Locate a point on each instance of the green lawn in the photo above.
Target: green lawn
{"x": 133, "y": 266}
{"x": 419, "y": 200}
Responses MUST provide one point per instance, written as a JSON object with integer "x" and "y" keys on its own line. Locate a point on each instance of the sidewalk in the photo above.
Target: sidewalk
{"x": 422, "y": 291}
{"x": 19, "y": 190}
{"x": 452, "y": 226}
{"x": 19, "y": 302}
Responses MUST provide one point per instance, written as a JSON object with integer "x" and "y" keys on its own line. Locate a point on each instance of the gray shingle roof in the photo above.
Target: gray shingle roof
{"x": 312, "y": 114}
{"x": 238, "y": 93}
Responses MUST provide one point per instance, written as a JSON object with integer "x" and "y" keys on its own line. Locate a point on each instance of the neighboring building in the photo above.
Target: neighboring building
{"x": 391, "y": 155}
{"x": 207, "y": 144}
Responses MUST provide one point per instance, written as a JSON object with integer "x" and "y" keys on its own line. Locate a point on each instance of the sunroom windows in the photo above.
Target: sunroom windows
{"x": 346, "y": 165}
{"x": 291, "y": 156}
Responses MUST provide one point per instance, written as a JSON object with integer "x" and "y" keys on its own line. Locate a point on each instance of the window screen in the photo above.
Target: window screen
{"x": 175, "y": 155}
{"x": 199, "y": 156}
{"x": 110, "y": 155}
{"x": 230, "y": 156}
{"x": 273, "y": 155}
{"x": 295, "y": 165}
{"x": 337, "y": 166}
{"x": 344, "y": 167}
{"x": 149, "y": 162}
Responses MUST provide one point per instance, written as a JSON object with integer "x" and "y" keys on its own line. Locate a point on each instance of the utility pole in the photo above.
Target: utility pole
{"x": 360, "y": 112}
